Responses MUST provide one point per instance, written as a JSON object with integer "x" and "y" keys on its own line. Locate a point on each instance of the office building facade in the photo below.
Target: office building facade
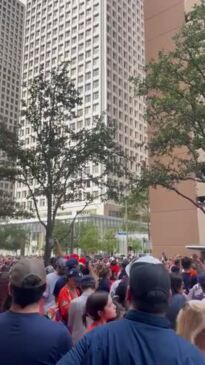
{"x": 12, "y": 13}
{"x": 104, "y": 42}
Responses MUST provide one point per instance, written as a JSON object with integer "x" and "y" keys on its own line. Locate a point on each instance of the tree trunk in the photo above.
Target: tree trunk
{"x": 48, "y": 245}
{"x": 49, "y": 232}
{"x": 23, "y": 246}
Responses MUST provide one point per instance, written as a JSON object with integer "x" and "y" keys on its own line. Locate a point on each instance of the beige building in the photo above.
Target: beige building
{"x": 104, "y": 42}
{"x": 11, "y": 51}
{"x": 175, "y": 222}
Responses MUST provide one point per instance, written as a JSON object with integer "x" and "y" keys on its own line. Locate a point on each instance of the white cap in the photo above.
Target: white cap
{"x": 146, "y": 259}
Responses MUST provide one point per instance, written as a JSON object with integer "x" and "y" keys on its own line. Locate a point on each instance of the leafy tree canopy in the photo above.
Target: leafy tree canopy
{"x": 13, "y": 238}
{"x": 174, "y": 88}
{"x": 136, "y": 205}
{"x": 56, "y": 164}
{"x": 109, "y": 241}
{"x": 88, "y": 238}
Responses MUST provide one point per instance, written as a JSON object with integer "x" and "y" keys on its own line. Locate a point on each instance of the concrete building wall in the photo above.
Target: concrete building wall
{"x": 174, "y": 221}
{"x": 12, "y": 14}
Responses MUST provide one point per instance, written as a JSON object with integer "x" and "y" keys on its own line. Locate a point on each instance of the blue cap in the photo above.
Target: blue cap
{"x": 74, "y": 273}
{"x": 72, "y": 263}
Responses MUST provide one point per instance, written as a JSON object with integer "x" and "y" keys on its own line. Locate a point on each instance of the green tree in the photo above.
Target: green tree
{"x": 174, "y": 88}
{"x": 13, "y": 238}
{"x": 109, "y": 241}
{"x": 61, "y": 232}
{"x": 55, "y": 167}
{"x": 136, "y": 205}
{"x": 88, "y": 238}
{"x": 135, "y": 244}
{"x": 8, "y": 206}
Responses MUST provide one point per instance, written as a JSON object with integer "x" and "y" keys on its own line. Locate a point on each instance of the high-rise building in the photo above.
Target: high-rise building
{"x": 175, "y": 222}
{"x": 12, "y": 14}
{"x": 104, "y": 42}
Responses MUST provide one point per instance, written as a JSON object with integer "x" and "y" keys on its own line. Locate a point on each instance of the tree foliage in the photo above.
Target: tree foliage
{"x": 13, "y": 238}
{"x": 55, "y": 166}
{"x": 136, "y": 205}
{"x": 62, "y": 233}
{"x": 109, "y": 241}
{"x": 174, "y": 88}
{"x": 135, "y": 245}
{"x": 88, "y": 238}
{"x": 8, "y": 205}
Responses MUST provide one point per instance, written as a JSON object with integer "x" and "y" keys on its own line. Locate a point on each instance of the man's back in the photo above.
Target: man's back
{"x": 140, "y": 339}
{"x": 31, "y": 339}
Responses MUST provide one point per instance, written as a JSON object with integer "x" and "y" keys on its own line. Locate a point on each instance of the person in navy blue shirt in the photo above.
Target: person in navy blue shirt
{"x": 143, "y": 337}
{"x": 26, "y": 337}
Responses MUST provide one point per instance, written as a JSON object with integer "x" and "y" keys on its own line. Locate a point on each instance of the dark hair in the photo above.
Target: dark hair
{"x": 175, "y": 269}
{"x": 52, "y": 261}
{"x": 121, "y": 292}
{"x": 124, "y": 263}
{"x": 186, "y": 262}
{"x": 26, "y": 296}
{"x": 96, "y": 302}
{"x": 176, "y": 283}
{"x": 102, "y": 271}
{"x": 88, "y": 285}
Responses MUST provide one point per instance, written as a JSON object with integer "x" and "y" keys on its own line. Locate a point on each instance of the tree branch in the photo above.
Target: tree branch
{"x": 186, "y": 198}
{"x": 35, "y": 202}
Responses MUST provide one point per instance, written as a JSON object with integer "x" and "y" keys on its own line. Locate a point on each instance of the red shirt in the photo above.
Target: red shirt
{"x": 64, "y": 298}
{"x": 115, "y": 268}
{"x": 93, "y": 325}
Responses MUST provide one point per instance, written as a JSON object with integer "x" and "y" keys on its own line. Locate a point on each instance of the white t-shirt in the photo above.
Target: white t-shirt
{"x": 51, "y": 280}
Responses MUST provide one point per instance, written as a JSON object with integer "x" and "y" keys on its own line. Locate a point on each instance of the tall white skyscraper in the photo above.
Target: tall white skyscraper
{"x": 12, "y": 14}
{"x": 104, "y": 42}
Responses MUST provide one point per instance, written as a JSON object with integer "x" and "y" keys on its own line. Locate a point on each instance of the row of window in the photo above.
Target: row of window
{"x": 42, "y": 202}
{"x": 88, "y": 43}
{"x": 66, "y": 24}
{"x": 65, "y": 35}
{"x": 49, "y": 4}
{"x": 31, "y": 17}
{"x": 14, "y": 4}
{"x": 47, "y": 62}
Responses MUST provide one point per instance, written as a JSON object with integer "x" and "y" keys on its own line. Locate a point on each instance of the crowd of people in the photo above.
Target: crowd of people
{"x": 102, "y": 310}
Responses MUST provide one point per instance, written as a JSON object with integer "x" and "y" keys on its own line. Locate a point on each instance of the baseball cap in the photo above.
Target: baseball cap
{"x": 28, "y": 273}
{"x": 71, "y": 263}
{"x": 61, "y": 262}
{"x": 144, "y": 259}
{"x": 150, "y": 282}
{"x": 74, "y": 273}
{"x": 82, "y": 260}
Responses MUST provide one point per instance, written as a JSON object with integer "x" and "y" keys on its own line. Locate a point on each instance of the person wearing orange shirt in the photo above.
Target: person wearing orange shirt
{"x": 69, "y": 292}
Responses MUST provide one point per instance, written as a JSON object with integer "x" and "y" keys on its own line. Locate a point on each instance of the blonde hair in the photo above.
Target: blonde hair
{"x": 191, "y": 320}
